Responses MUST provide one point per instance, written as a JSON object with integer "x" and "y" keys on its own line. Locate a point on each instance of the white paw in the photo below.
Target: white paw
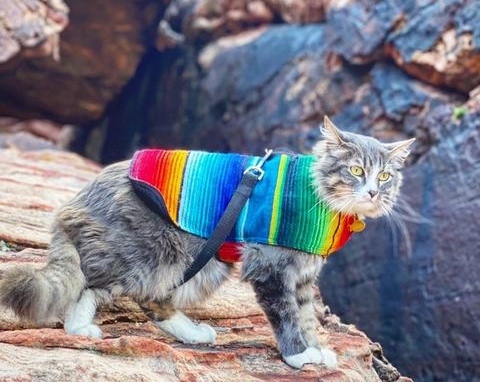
{"x": 329, "y": 357}
{"x": 184, "y": 330}
{"x": 205, "y": 334}
{"x": 312, "y": 355}
{"x": 89, "y": 330}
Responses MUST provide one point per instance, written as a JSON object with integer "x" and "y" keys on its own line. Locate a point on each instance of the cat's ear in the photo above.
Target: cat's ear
{"x": 399, "y": 151}
{"x": 331, "y": 132}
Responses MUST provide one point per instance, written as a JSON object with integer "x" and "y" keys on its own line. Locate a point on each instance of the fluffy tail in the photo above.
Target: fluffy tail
{"x": 42, "y": 295}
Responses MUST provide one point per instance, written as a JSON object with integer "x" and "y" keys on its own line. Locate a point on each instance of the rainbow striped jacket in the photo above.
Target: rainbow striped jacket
{"x": 192, "y": 189}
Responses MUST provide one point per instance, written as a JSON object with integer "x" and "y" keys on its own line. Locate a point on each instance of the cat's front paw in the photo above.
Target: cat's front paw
{"x": 312, "y": 355}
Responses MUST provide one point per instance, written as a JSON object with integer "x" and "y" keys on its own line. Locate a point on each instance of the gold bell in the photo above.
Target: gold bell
{"x": 357, "y": 226}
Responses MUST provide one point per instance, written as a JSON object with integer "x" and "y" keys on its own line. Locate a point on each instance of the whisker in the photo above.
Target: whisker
{"x": 344, "y": 208}
{"x": 406, "y": 212}
{"x": 405, "y": 233}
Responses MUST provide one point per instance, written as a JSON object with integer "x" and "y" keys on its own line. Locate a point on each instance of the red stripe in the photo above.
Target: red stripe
{"x": 230, "y": 253}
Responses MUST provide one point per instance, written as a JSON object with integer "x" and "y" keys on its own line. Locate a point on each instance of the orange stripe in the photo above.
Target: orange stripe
{"x": 170, "y": 167}
{"x": 178, "y": 165}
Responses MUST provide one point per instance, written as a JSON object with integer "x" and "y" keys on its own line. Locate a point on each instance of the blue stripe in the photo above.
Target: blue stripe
{"x": 202, "y": 203}
{"x": 258, "y": 218}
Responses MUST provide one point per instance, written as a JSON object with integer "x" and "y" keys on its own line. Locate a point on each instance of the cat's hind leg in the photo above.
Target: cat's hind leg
{"x": 79, "y": 316}
{"x": 177, "y": 324}
{"x": 167, "y": 316}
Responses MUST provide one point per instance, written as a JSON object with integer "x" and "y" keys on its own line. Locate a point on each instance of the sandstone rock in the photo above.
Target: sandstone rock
{"x": 423, "y": 296}
{"x": 358, "y": 29}
{"x": 26, "y": 197}
{"x": 213, "y": 19}
{"x": 133, "y": 348}
{"x": 437, "y": 42}
{"x": 99, "y": 52}
{"x": 31, "y": 25}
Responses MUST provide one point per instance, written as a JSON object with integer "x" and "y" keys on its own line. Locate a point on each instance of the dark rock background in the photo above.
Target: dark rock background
{"x": 238, "y": 75}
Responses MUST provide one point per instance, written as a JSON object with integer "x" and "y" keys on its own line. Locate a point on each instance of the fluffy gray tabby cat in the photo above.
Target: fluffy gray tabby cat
{"x": 107, "y": 243}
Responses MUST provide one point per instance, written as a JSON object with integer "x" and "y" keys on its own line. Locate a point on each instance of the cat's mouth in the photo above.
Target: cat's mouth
{"x": 361, "y": 205}
{"x": 368, "y": 208}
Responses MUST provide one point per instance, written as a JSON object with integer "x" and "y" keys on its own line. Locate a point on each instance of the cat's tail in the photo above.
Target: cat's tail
{"x": 42, "y": 295}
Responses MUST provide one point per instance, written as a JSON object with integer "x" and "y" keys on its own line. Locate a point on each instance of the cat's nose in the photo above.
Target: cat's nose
{"x": 373, "y": 193}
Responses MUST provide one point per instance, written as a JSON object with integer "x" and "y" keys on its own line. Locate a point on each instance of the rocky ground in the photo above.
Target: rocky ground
{"x": 32, "y": 185}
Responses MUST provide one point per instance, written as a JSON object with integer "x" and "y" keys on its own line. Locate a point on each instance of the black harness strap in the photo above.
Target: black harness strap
{"x": 244, "y": 190}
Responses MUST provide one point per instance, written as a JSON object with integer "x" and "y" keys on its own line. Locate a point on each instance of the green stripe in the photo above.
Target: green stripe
{"x": 277, "y": 197}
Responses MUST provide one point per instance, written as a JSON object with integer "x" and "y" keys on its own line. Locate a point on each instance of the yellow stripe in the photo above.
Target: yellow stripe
{"x": 333, "y": 225}
{"x": 175, "y": 185}
{"x": 276, "y": 207}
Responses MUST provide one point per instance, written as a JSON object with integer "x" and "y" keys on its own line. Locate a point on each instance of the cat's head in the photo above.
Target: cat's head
{"x": 357, "y": 174}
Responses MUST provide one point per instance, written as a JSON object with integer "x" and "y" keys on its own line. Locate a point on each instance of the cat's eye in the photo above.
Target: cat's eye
{"x": 356, "y": 170}
{"x": 384, "y": 176}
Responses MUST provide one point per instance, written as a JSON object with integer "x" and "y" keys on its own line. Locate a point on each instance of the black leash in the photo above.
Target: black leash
{"x": 251, "y": 177}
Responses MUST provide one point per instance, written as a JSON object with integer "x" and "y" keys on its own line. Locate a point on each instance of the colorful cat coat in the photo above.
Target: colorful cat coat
{"x": 193, "y": 188}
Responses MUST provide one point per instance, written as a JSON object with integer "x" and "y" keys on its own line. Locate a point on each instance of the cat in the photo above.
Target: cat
{"x": 106, "y": 243}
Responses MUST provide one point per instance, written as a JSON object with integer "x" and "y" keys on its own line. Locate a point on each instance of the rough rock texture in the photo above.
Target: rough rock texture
{"x": 32, "y": 185}
{"x": 423, "y": 300}
{"x": 263, "y": 90}
{"x": 439, "y": 42}
{"x": 271, "y": 85}
{"x": 253, "y": 91}
{"x": 33, "y": 25}
{"x": 436, "y": 42}
{"x": 99, "y": 52}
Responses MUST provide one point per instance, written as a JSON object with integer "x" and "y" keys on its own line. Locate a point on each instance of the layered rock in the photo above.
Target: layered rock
{"x": 32, "y": 185}
{"x": 98, "y": 53}
{"x": 272, "y": 85}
